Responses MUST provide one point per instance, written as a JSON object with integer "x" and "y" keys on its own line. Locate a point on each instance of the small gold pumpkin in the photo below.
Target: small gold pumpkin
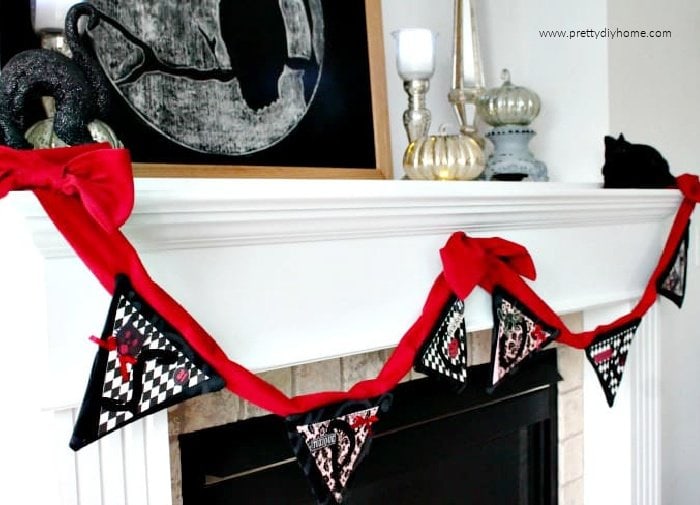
{"x": 508, "y": 104}
{"x": 444, "y": 157}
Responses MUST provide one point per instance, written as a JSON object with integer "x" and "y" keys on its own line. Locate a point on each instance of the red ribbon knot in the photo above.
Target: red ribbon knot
{"x": 359, "y": 421}
{"x": 467, "y": 260}
{"x": 99, "y": 176}
{"x": 110, "y": 344}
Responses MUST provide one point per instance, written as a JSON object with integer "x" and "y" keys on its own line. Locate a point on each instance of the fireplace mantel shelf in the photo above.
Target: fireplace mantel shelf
{"x": 202, "y": 213}
{"x": 286, "y": 272}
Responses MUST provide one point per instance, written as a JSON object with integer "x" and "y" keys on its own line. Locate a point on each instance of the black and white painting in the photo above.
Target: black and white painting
{"x": 231, "y": 83}
{"x": 186, "y": 69}
{"x": 239, "y": 82}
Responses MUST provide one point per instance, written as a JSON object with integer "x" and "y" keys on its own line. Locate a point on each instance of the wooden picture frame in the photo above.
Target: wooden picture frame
{"x": 338, "y": 159}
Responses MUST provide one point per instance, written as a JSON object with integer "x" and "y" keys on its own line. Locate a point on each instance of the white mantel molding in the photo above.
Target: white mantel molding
{"x": 284, "y": 272}
{"x": 191, "y": 214}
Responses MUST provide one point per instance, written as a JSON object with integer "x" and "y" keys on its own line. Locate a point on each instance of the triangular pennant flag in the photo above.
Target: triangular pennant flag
{"x": 517, "y": 334}
{"x": 608, "y": 355}
{"x": 330, "y": 442}
{"x": 671, "y": 282}
{"x": 142, "y": 366}
{"x": 444, "y": 354}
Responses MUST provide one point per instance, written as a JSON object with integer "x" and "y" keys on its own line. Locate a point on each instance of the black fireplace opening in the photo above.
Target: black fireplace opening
{"x": 433, "y": 447}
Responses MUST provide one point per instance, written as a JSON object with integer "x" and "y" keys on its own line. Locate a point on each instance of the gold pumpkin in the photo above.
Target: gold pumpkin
{"x": 508, "y": 104}
{"x": 444, "y": 157}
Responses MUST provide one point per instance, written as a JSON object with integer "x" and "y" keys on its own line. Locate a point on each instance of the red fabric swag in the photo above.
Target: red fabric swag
{"x": 87, "y": 191}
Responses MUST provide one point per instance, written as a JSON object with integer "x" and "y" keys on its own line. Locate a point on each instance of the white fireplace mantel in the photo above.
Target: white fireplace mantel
{"x": 202, "y": 213}
{"x": 286, "y": 272}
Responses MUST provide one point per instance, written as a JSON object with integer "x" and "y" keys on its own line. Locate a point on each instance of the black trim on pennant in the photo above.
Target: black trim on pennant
{"x": 672, "y": 282}
{"x": 330, "y": 443}
{"x": 162, "y": 369}
{"x": 507, "y": 355}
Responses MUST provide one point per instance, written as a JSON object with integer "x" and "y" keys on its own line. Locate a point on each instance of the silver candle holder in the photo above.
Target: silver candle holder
{"x": 446, "y": 157}
{"x": 415, "y": 62}
{"x": 48, "y": 18}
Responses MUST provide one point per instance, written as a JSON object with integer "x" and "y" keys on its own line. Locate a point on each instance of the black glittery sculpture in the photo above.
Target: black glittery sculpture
{"x": 78, "y": 85}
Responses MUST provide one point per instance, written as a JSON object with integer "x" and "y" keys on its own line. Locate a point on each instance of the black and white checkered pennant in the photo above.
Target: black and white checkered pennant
{"x": 163, "y": 369}
{"x": 671, "y": 283}
{"x": 608, "y": 355}
{"x": 444, "y": 354}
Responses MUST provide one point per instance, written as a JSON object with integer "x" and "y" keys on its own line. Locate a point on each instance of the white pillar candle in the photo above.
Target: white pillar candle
{"x": 415, "y": 53}
{"x": 50, "y": 15}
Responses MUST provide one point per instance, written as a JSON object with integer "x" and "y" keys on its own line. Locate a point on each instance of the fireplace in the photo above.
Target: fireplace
{"x": 434, "y": 446}
{"x": 345, "y": 276}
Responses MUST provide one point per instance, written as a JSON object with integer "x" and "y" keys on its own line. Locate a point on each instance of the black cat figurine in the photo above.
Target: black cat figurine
{"x": 634, "y": 166}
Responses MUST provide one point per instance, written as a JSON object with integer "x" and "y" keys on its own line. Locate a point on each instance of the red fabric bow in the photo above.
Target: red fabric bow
{"x": 124, "y": 359}
{"x": 465, "y": 260}
{"x": 359, "y": 421}
{"x": 95, "y": 173}
{"x": 690, "y": 186}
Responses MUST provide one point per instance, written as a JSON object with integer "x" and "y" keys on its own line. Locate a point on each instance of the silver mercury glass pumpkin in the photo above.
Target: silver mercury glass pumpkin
{"x": 510, "y": 109}
{"x": 509, "y": 104}
{"x": 42, "y": 136}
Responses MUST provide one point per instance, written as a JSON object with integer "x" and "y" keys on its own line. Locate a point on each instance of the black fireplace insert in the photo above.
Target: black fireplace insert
{"x": 433, "y": 447}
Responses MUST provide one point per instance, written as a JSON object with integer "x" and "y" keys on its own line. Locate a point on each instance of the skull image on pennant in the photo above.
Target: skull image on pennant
{"x": 331, "y": 442}
{"x": 444, "y": 354}
{"x": 517, "y": 334}
{"x": 671, "y": 283}
{"x": 608, "y": 356}
{"x": 142, "y": 366}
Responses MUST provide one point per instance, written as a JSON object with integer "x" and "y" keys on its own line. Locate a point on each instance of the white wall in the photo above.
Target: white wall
{"x": 654, "y": 99}
{"x": 570, "y": 76}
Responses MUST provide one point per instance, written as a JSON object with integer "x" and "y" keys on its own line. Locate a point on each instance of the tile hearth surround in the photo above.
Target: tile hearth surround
{"x": 223, "y": 407}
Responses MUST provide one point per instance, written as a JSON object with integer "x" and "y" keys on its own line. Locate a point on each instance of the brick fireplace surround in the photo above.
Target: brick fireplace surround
{"x": 340, "y": 373}
{"x": 312, "y": 282}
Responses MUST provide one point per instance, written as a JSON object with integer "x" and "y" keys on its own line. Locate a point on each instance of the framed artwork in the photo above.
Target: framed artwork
{"x": 245, "y": 88}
